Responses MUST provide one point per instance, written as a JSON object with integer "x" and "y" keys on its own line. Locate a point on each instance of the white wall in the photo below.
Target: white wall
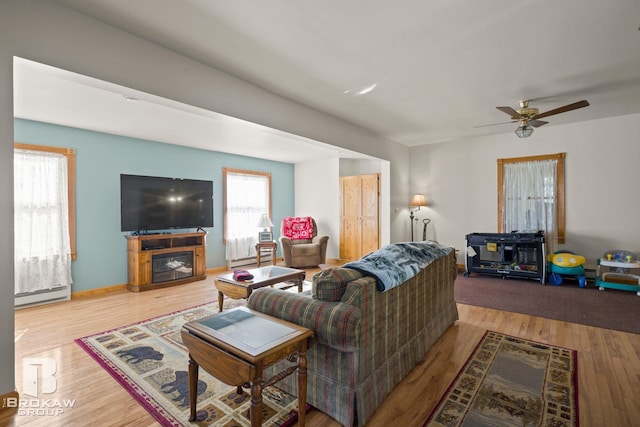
{"x": 49, "y": 33}
{"x": 317, "y": 193}
{"x": 602, "y": 177}
{"x": 353, "y": 167}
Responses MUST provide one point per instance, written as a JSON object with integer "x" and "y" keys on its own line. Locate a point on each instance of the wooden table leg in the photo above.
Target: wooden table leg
{"x": 193, "y": 387}
{"x": 300, "y": 282}
{"x": 255, "y": 411}
{"x": 302, "y": 386}
{"x": 220, "y": 301}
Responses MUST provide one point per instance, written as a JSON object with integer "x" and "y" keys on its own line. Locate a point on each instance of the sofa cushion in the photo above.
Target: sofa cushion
{"x": 330, "y": 285}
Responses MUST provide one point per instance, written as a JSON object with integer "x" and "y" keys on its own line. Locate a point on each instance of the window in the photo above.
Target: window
{"x": 246, "y": 195}
{"x": 531, "y": 196}
{"x": 42, "y": 213}
{"x": 71, "y": 183}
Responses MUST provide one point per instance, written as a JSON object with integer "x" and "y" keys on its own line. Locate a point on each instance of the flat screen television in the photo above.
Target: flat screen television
{"x": 149, "y": 203}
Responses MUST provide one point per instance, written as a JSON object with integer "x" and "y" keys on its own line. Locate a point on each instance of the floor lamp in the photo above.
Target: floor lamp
{"x": 416, "y": 202}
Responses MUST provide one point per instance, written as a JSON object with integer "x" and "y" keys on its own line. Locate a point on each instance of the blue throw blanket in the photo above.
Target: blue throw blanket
{"x": 393, "y": 264}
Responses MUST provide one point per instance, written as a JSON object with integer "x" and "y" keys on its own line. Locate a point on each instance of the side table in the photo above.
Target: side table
{"x": 266, "y": 248}
{"x": 237, "y": 345}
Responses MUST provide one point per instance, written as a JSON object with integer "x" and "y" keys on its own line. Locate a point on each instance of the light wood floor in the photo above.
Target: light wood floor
{"x": 608, "y": 361}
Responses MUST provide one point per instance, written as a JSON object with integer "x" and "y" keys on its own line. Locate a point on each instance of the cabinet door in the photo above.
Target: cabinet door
{"x": 139, "y": 268}
{"x": 200, "y": 261}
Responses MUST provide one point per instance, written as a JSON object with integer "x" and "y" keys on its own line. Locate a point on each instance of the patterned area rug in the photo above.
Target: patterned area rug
{"x": 150, "y": 361}
{"x": 510, "y": 381}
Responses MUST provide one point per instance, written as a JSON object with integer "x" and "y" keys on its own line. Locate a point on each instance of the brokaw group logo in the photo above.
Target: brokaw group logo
{"x": 30, "y": 375}
{"x": 38, "y": 378}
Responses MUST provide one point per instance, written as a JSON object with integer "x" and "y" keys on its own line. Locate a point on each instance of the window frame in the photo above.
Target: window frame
{"x": 225, "y": 172}
{"x": 70, "y": 154}
{"x": 560, "y": 195}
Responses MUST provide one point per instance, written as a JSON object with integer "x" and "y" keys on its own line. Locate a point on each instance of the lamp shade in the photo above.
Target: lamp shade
{"x": 264, "y": 221}
{"x": 418, "y": 200}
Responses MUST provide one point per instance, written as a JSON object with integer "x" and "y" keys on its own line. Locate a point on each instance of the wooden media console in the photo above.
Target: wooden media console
{"x": 161, "y": 260}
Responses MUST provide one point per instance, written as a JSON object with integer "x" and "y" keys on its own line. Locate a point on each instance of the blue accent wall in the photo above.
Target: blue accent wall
{"x": 101, "y": 158}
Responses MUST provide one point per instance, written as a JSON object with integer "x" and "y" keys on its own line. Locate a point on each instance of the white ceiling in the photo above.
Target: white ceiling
{"x": 438, "y": 68}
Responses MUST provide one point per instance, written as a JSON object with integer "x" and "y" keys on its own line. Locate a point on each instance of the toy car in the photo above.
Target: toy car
{"x": 566, "y": 263}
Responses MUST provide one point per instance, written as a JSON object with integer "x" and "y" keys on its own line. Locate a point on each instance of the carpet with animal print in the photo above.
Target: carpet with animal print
{"x": 150, "y": 361}
{"x": 510, "y": 381}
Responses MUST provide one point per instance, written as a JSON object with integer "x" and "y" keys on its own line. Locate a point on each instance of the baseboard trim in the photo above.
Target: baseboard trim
{"x": 98, "y": 291}
{"x": 7, "y": 411}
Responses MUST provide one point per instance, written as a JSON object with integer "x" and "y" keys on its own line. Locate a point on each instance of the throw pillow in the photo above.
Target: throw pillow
{"x": 297, "y": 228}
{"x": 330, "y": 285}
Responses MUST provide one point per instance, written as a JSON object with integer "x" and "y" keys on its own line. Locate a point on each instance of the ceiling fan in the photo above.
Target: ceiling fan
{"x": 529, "y": 117}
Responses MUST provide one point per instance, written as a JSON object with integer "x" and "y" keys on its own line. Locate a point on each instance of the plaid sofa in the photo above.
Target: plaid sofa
{"x": 365, "y": 341}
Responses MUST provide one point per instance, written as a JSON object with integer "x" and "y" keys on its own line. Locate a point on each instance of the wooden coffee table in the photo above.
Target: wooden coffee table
{"x": 263, "y": 276}
{"x": 237, "y": 345}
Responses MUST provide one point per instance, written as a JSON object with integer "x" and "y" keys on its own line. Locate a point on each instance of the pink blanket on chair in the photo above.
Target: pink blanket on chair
{"x": 297, "y": 228}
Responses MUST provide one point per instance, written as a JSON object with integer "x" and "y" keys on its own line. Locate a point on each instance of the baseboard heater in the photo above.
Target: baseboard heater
{"x": 242, "y": 262}
{"x": 44, "y": 296}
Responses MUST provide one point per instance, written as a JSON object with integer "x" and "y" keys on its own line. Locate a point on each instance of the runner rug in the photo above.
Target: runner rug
{"x": 509, "y": 381}
{"x": 150, "y": 361}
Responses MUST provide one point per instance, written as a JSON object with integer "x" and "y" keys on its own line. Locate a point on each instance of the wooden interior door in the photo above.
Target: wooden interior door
{"x": 359, "y": 229}
{"x": 370, "y": 234}
{"x": 350, "y": 234}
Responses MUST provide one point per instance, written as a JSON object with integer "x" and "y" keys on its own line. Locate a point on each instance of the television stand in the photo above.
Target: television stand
{"x": 162, "y": 260}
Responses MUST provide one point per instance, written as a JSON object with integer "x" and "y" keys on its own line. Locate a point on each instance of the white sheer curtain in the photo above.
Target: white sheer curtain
{"x": 247, "y": 197}
{"x": 530, "y": 199}
{"x": 41, "y": 212}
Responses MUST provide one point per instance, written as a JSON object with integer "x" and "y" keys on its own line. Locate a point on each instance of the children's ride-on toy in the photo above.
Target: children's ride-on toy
{"x": 566, "y": 263}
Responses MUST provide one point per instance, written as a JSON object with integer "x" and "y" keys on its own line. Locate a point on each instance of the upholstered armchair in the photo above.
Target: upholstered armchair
{"x": 301, "y": 245}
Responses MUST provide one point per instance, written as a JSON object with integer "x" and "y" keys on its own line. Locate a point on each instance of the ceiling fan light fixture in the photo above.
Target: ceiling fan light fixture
{"x": 524, "y": 131}
{"x": 530, "y": 116}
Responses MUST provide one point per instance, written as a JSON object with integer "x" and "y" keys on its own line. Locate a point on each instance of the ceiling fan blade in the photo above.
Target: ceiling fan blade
{"x": 510, "y": 111}
{"x": 574, "y": 106}
{"x": 495, "y": 124}
{"x": 537, "y": 123}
